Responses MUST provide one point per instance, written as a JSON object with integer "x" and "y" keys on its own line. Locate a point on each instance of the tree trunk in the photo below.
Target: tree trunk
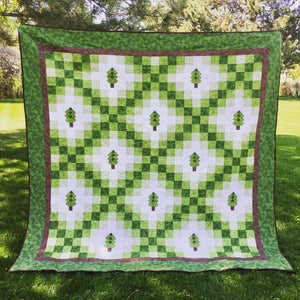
{"x": 194, "y": 169}
{"x": 109, "y": 249}
{"x": 154, "y": 128}
{"x": 70, "y": 207}
{"x": 71, "y": 124}
{"x": 238, "y": 127}
{"x": 195, "y": 85}
{"x": 112, "y": 166}
{"x": 232, "y": 207}
{"x": 153, "y": 208}
{"x": 195, "y": 248}
{"x": 112, "y": 85}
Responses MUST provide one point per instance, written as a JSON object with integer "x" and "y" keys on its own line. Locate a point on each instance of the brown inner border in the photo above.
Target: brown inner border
{"x": 43, "y": 48}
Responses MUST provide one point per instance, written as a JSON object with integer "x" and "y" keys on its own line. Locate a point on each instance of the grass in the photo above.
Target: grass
{"x": 232, "y": 284}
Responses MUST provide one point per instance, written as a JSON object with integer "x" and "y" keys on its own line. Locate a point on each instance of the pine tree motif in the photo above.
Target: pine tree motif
{"x": 71, "y": 200}
{"x": 153, "y": 201}
{"x": 194, "y": 241}
{"x": 154, "y": 120}
{"x": 110, "y": 242}
{"x": 112, "y": 77}
{"x": 196, "y": 78}
{"x": 113, "y": 158}
{"x": 194, "y": 161}
{"x": 70, "y": 116}
{"x": 232, "y": 200}
{"x": 238, "y": 120}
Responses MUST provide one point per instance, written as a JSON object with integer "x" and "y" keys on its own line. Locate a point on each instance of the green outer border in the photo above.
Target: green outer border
{"x": 31, "y": 36}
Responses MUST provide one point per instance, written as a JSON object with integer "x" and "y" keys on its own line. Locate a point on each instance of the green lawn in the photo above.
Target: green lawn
{"x": 232, "y": 284}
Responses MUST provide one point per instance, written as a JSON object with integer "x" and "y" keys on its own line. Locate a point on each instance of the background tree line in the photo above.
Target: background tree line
{"x": 147, "y": 15}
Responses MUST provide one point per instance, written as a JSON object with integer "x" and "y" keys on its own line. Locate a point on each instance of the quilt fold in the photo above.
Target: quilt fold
{"x": 150, "y": 151}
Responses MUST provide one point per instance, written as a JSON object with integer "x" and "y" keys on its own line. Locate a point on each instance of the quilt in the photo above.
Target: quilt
{"x": 150, "y": 151}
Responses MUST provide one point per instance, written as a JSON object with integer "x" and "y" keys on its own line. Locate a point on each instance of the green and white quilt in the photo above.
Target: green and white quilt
{"x": 150, "y": 151}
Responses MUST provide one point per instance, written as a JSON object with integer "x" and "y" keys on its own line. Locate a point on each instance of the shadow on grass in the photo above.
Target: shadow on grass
{"x": 18, "y": 100}
{"x": 232, "y": 284}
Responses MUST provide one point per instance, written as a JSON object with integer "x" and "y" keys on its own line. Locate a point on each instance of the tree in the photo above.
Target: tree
{"x": 10, "y": 73}
{"x": 194, "y": 241}
{"x": 70, "y": 115}
{"x": 232, "y": 200}
{"x": 112, "y": 77}
{"x": 196, "y": 78}
{"x": 238, "y": 120}
{"x": 113, "y": 158}
{"x": 154, "y": 120}
{"x": 153, "y": 201}
{"x": 110, "y": 242}
{"x": 71, "y": 200}
{"x": 194, "y": 161}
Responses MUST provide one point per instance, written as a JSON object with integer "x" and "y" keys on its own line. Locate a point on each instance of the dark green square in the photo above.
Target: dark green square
{"x": 82, "y": 255}
{"x": 138, "y": 143}
{"x": 231, "y": 68}
{"x": 127, "y": 216}
{"x": 249, "y": 225}
{"x": 96, "y": 183}
{"x": 129, "y": 183}
{"x": 146, "y": 86}
{"x": 154, "y": 77}
{"x": 63, "y": 166}
{"x": 222, "y": 93}
{"x": 103, "y": 207}
{"x": 160, "y": 233}
{"x": 210, "y": 185}
{"x": 122, "y": 110}
{"x": 248, "y": 85}
{"x": 236, "y": 161}
{"x": 204, "y": 111}
{"x": 95, "y": 216}
{"x": 230, "y": 85}
{"x": 188, "y": 111}
{"x": 138, "y": 95}
{"x": 96, "y": 134}
{"x": 172, "y": 60}
{"x": 59, "y": 65}
{"x": 146, "y": 69}
{"x": 240, "y": 76}
{"x": 171, "y": 95}
{"x": 88, "y": 143}
{"x": 79, "y": 150}
{"x": 130, "y": 135}
{"x": 217, "y": 225}
{"x": 72, "y": 158}
{"x": 179, "y": 136}
{"x": 162, "y": 152}
{"x": 68, "y": 242}
{"x": 137, "y": 175}
{"x": 228, "y": 153}
{"x": 161, "y": 249}
{"x": 120, "y": 207}
{"x": 163, "y": 69}
{"x": 225, "y": 233}
{"x": 55, "y": 175}
{"x": 87, "y": 92}
{"x": 209, "y": 217}
{"x": 255, "y": 93}
{"x": 177, "y": 217}
{"x": 152, "y": 241}
{"x": 242, "y": 234}
{"x": 51, "y": 90}
{"x": 144, "y": 233}
{"x": 163, "y": 86}
{"x": 104, "y": 126}
{"x": 219, "y": 177}
{"x": 169, "y": 225}
{"x": 202, "y": 193}
{"x": 203, "y": 128}
{"x": 112, "y": 199}
{"x": 104, "y": 191}
{"x": 96, "y": 101}
{"x": 146, "y": 167}
{"x": 223, "y": 60}
{"x": 185, "y": 209}
{"x": 170, "y": 176}
{"x": 249, "y": 67}
{"x": 195, "y": 119}
{"x": 136, "y": 224}
{"x": 60, "y": 81}
{"x": 193, "y": 201}
{"x": 75, "y": 249}
{"x": 54, "y": 142}
{"x": 177, "y": 184}
{"x": 227, "y": 169}
{"x": 146, "y": 151}
{"x": 104, "y": 109}
{"x": 121, "y": 191}
{"x": 87, "y": 225}
{"x": 212, "y": 136}
{"x": 179, "y": 103}
{"x": 85, "y": 58}
{"x": 77, "y": 66}
{"x": 137, "y": 60}
{"x": 162, "y": 168}
{"x": 201, "y": 209}
{"x": 77, "y": 233}
{"x": 214, "y": 102}
{"x": 113, "y": 118}
{"x": 220, "y": 144}
{"x": 69, "y": 74}
{"x": 60, "y": 233}
{"x": 58, "y": 249}
{"x": 78, "y": 83}
{"x": 185, "y": 193}
{"x": 131, "y": 102}
{"x": 245, "y": 249}
{"x": 171, "y": 144}
{"x": 249, "y": 176}
{"x": 80, "y": 167}
{"x": 63, "y": 150}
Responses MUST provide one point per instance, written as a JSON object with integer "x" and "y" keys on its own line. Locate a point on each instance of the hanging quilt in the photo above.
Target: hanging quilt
{"x": 150, "y": 151}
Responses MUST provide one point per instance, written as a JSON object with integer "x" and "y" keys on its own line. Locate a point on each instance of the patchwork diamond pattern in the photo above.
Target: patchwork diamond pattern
{"x": 113, "y": 155}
